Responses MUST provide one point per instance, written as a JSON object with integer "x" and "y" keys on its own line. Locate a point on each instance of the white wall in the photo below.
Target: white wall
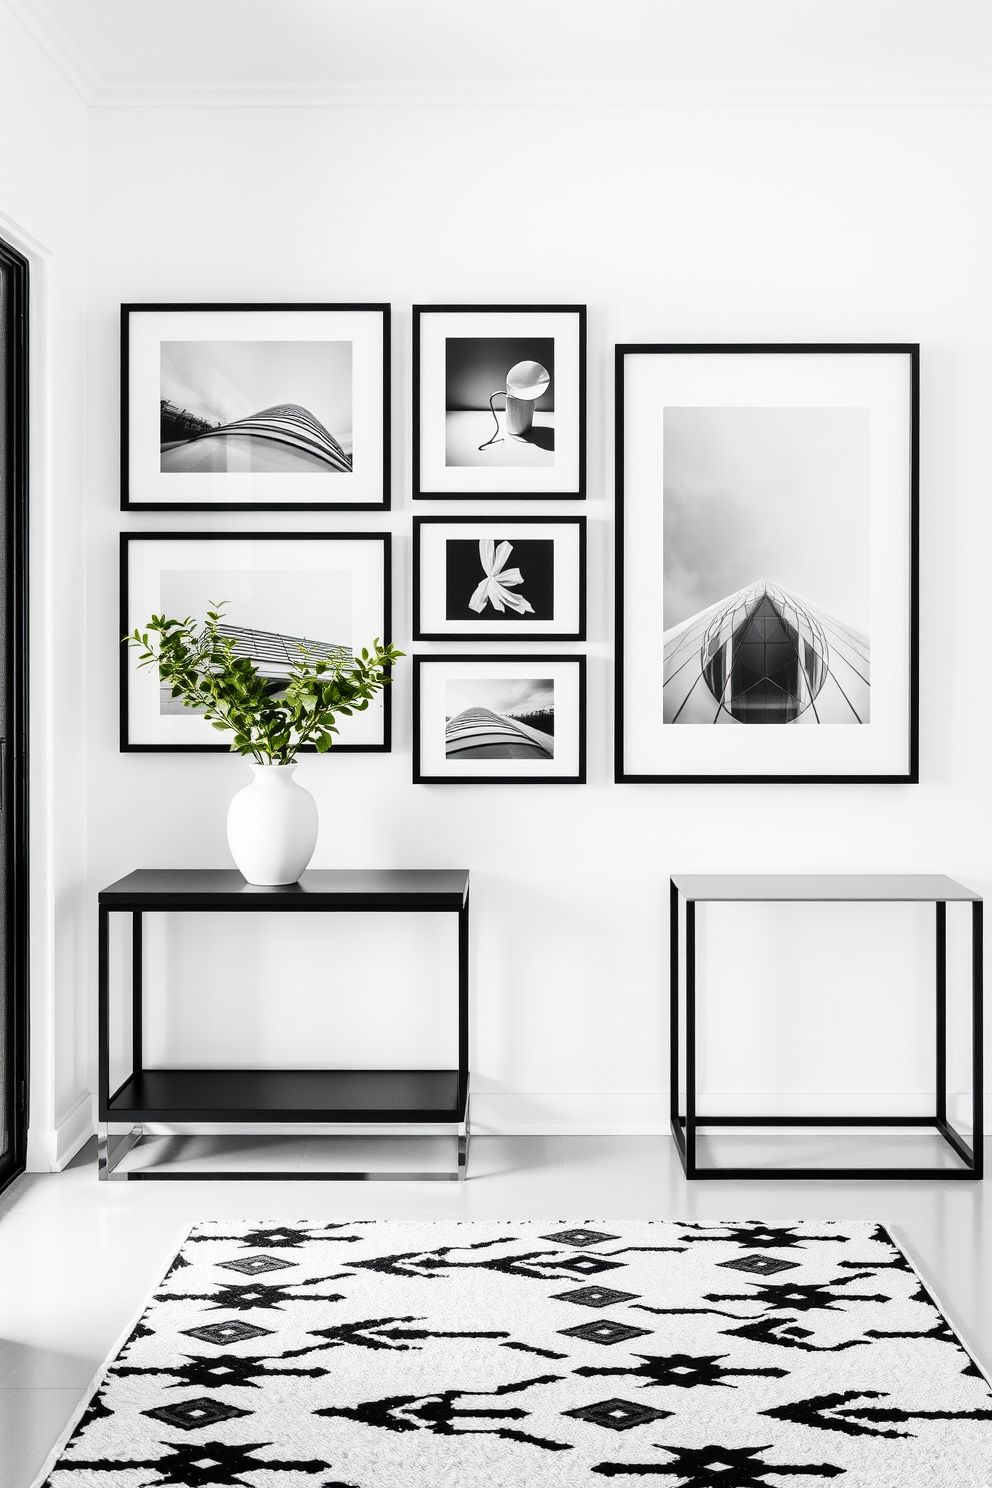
{"x": 43, "y": 213}
{"x": 672, "y": 223}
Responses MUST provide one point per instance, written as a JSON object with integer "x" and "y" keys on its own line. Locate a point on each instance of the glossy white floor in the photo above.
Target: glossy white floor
{"x": 77, "y": 1257}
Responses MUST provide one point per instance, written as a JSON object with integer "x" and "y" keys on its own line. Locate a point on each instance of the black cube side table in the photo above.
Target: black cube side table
{"x": 360, "y": 1097}
{"x": 695, "y": 889}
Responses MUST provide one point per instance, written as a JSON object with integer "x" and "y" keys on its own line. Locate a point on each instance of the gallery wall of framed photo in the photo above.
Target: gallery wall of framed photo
{"x": 766, "y": 495}
{"x": 278, "y": 407}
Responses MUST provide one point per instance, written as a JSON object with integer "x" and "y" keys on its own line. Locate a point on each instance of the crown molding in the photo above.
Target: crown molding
{"x": 413, "y": 93}
{"x": 58, "y": 47}
{"x": 580, "y": 94}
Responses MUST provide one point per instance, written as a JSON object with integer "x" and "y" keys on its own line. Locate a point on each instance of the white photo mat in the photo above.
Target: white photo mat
{"x": 433, "y": 676}
{"x": 434, "y": 477}
{"x": 296, "y": 585}
{"x": 653, "y": 382}
{"x": 146, "y": 328}
{"x": 431, "y": 621}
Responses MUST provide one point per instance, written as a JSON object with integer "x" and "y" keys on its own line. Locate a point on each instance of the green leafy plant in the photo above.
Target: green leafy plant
{"x": 198, "y": 663}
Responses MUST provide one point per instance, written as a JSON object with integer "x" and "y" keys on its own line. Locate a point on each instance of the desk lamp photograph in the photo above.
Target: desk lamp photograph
{"x": 525, "y": 382}
{"x": 506, "y": 381}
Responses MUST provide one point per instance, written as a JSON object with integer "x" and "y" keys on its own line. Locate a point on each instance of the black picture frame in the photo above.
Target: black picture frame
{"x": 365, "y": 490}
{"x": 523, "y": 662}
{"x": 541, "y": 632}
{"x": 378, "y": 560}
{"x": 904, "y": 563}
{"x": 564, "y": 481}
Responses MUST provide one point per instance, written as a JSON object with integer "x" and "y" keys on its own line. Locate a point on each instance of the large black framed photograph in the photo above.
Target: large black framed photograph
{"x": 499, "y": 401}
{"x": 329, "y": 589}
{"x": 499, "y": 720}
{"x": 264, "y": 407}
{"x": 499, "y": 578}
{"x": 767, "y": 563}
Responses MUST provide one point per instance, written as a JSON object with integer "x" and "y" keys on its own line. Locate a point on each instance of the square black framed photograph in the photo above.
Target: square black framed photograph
{"x": 499, "y": 578}
{"x": 255, "y": 407}
{"x": 330, "y": 590}
{"x": 499, "y": 720}
{"x": 767, "y": 563}
{"x": 499, "y": 401}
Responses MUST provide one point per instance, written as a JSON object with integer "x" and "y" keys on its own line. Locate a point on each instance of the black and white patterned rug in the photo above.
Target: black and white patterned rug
{"x": 388, "y": 1354}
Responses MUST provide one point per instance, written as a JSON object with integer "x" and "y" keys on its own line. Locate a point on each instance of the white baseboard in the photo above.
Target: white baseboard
{"x": 50, "y": 1151}
{"x": 536, "y": 1113}
{"x": 645, "y": 1113}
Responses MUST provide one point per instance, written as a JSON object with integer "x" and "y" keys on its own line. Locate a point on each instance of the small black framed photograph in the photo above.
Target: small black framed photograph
{"x": 330, "y": 589}
{"x": 499, "y": 720}
{"x": 499, "y": 578}
{"x": 767, "y": 563}
{"x": 499, "y": 401}
{"x": 255, "y": 407}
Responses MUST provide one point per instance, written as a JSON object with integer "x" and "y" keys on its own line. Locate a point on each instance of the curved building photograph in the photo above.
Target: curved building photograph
{"x": 493, "y": 718}
{"x": 257, "y": 407}
{"x": 766, "y": 566}
{"x": 272, "y": 655}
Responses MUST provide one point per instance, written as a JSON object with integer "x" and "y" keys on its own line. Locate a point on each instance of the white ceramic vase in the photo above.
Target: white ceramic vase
{"x": 272, "y": 826}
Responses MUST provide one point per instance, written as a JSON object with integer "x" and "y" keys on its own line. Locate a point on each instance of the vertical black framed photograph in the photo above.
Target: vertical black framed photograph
{"x": 767, "y": 563}
{"x": 499, "y": 578}
{"x": 499, "y": 720}
{"x": 330, "y": 590}
{"x": 255, "y": 407}
{"x": 499, "y": 401}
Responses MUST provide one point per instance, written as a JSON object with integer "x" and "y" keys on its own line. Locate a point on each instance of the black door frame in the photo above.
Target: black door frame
{"x": 14, "y": 678}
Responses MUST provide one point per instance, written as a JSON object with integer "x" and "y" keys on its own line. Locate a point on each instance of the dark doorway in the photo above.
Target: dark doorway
{"x": 13, "y": 710}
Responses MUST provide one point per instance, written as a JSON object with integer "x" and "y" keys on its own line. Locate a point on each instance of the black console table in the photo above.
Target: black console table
{"x": 694, "y": 889}
{"x": 373, "y": 1097}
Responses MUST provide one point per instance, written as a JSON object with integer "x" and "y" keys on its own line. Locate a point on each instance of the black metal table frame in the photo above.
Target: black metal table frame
{"x": 274, "y": 900}
{"x": 684, "y": 1128}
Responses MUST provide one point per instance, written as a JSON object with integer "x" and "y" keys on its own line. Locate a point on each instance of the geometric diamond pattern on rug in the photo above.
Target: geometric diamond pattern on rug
{"x": 617, "y": 1414}
{"x": 440, "y": 1359}
{"x": 580, "y": 1237}
{"x": 189, "y": 1414}
{"x": 587, "y": 1265}
{"x": 594, "y": 1296}
{"x": 604, "y": 1331}
{"x": 254, "y": 1265}
{"x": 759, "y": 1265}
{"x": 233, "y": 1332}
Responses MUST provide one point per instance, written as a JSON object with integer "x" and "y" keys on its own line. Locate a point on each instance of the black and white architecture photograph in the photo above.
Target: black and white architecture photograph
{"x": 492, "y": 718}
{"x": 275, "y": 407}
{"x": 518, "y": 577}
{"x": 499, "y": 400}
{"x": 283, "y": 407}
{"x": 257, "y": 605}
{"x": 499, "y": 719}
{"x": 328, "y": 593}
{"x": 495, "y": 531}
{"x": 767, "y": 528}
{"x": 782, "y": 492}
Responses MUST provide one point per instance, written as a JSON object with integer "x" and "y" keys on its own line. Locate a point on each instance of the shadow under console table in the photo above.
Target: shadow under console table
{"x": 353, "y": 1097}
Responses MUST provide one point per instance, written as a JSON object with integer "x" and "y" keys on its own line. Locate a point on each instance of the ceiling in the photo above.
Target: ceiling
{"x": 126, "y": 51}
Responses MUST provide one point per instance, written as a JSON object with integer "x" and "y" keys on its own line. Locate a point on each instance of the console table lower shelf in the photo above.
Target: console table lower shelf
{"x": 331, "y": 1097}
